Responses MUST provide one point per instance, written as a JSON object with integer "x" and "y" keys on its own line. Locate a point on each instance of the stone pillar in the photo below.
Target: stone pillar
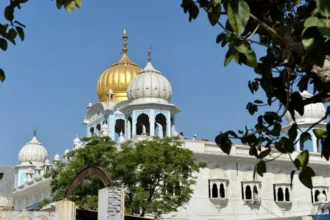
{"x": 65, "y": 210}
{"x": 111, "y": 204}
{"x": 133, "y": 124}
{"x": 152, "y": 123}
{"x": 168, "y": 125}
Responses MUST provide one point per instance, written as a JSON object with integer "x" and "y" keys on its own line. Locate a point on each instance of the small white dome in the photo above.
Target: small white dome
{"x": 76, "y": 140}
{"x": 47, "y": 162}
{"x": 150, "y": 86}
{"x": 66, "y": 151}
{"x": 33, "y": 151}
{"x": 312, "y": 112}
{"x": 322, "y": 198}
{"x": 57, "y": 157}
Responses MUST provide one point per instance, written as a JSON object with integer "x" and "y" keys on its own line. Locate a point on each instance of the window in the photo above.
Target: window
{"x": 250, "y": 191}
{"x": 282, "y": 193}
{"x": 217, "y": 189}
{"x": 316, "y": 192}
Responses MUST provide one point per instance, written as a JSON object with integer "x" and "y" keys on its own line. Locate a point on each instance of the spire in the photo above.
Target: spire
{"x": 149, "y": 53}
{"x": 34, "y": 131}
{"x": 124, "y": 37}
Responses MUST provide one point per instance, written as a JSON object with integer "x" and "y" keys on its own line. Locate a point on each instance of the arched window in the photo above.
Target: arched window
{"x": 248, "y": 193}
{"x": 326, "y": 197}
{"x": 222, "y": 191}
{"x": 316, "y": 195}
{"x": 142, "y": 125}
{"x": 170, "y": 188}
{"x": 280, "y": 194}
{"x": 91, "y": 130}
{"x": 214, "y": 191}
{"x": 98, "y": 127}
{"x": 287, "y": 195}
{"x": 177, "y": 189}
{"x": 255, "y": 192}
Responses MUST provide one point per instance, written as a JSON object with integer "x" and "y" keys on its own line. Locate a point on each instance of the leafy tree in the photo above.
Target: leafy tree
{"x": 157, "y": 174}
{"x": 295, "y": 37}
{"x": 12, "y": 28}
{"x": 99, "y": 151}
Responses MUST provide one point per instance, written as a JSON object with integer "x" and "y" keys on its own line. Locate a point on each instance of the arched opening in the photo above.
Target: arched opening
{"x": 215, "y": 191}
{"x": 91, "y": 131}
{"x": 222, "y": 191}
{"x": 129, "y": 127}
{"x": 98, "y": 128}
{"x": 255, "y": 192}
{"x": 160, "y": 125}
{"x": 169, "y": 187}
{"x": 119, "y": 127}
{"x": 142, "y": 125}
{"x": 317, "y": 193}
{"x": 173, "y": 131}
{"x": 248, "y": 193}
{"x": 280, "y": 196}
{"x": 177, "y": 189}
{"x": 326, "y": 197}
{"x": 287, "y": 195}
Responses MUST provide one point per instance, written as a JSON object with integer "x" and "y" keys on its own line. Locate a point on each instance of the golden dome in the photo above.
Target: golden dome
{"x": 117, "y": 77}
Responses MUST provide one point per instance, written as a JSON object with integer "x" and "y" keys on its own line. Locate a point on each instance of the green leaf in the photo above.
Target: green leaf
{"x": 258, "y": 101}
{"x": 297, "y": 2}
{"x": 238, "y": 13}
{"x": 311, "y": 22}
{"x": 302, "y": 159}
{"x": 311, "y": 38}
{"x": 293, "y": 132}
{"x": 59, "y": 3}
{"x": 261, "y": 168}
{"x": 69, "y": 6}
{"x": 78, "y": 3}
{"x": 264, "y": 153}
{"x": 291, "y": 177}
{"x": 193, "y": 12}
{"x": 229, "y": 56}
{"x": 243, "y": 48}
{"x": 253, "y": 152}
{"x": 3, "y": 44}
{"x": 319, "y": 133}
{"x": 252, "y": 108}
{"x": 213, "y": 13}
{"x": 20, "y": 32}
{"x": 323, "y": 6}
{"x": 220, "y": 37}
{"x": 305, "y": 177}
{"x": 9, "y": 13}
{"x": 224, "y": 142}
{"x": 251, "y": 59}
{"x": 2, "y": 75}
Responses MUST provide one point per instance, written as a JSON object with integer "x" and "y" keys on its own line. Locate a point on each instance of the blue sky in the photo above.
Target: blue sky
{"x": 52, "y": 75}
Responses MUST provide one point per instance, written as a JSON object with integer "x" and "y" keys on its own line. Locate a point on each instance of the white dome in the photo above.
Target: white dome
{"x": 33, "y": 151}
{"x": 66, "y": 152}
{"x": 57, "y": 157}
{"x": 312, "y": 112}
{"x": 76, "y": 140}
{"x": 150, "y": 86}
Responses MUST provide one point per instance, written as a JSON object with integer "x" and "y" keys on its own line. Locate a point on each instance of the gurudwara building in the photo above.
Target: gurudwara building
{"x": 135, "y": 103}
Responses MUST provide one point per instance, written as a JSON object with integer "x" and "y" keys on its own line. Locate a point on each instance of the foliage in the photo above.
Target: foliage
{"x": 12, "y": 28}
{"x": 295, "y": 37}
{"x": 157, "y": 174}
{"x": 43, "y": 203}
{"x": 99, "y": 151}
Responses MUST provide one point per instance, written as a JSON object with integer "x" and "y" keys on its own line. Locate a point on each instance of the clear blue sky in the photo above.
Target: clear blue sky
{"x": 52, "y": 75}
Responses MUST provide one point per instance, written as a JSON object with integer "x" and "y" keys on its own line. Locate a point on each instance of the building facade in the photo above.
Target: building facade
{"x": 135, "y": 104}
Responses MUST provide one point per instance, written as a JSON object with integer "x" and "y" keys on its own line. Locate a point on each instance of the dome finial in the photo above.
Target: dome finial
{"x": 34, "y": 131}
{"x": 149, "y": 53}
{"x": 124, "y": 37}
